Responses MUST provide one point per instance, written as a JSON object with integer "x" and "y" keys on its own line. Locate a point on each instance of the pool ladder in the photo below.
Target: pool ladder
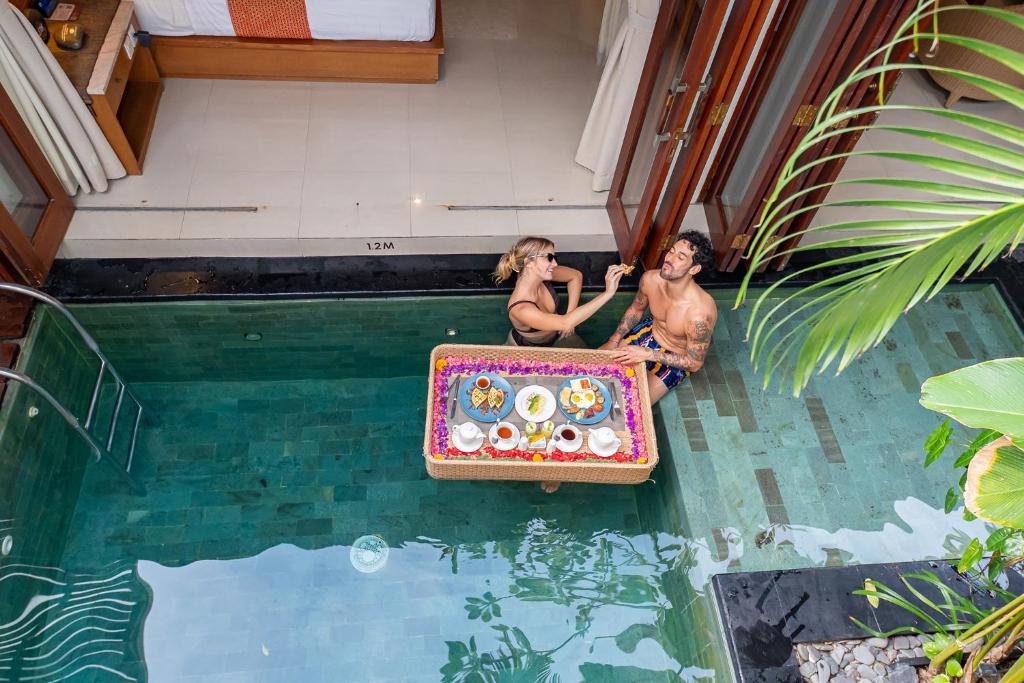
{"x": 102, "y": 450}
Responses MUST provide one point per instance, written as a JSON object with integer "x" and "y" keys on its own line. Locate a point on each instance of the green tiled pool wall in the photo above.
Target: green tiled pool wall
{"x": 835, "y": 476}
{"x": 41, "y": 460}
{"x": 251, "y": 473}
{"x": 320, "y": 339}
{"x": 245, "y": 461}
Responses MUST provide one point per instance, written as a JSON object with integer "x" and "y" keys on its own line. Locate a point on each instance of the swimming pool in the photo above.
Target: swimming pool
{"x": 289, "y": 531}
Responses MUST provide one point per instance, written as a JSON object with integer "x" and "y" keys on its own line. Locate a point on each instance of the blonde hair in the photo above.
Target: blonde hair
{"x": 513, "y": 260}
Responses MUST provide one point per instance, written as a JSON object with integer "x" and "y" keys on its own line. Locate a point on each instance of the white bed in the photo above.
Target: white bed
{"x": 404, "y": 20}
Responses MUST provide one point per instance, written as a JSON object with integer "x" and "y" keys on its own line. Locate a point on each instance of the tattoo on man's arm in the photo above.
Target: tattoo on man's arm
{"x": 633, "y": 315}
{"x": 699, "y": 343}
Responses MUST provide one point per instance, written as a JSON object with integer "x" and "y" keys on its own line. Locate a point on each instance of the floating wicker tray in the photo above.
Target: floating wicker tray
{"x": 631, "y": 465}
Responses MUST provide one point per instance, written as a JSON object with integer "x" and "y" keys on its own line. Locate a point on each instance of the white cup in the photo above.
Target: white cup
{"x": 603, "y": 438}
{"x": 511, "y": 431}
{"x": 468, "y": 431}
{"x": 558, "y": 435}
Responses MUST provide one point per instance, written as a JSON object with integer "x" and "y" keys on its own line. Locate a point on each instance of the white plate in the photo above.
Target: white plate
{"x": 547, "y": 409}
{"x": 467, "y": 446}
{"x": 508, "y": 445}
{"x": 605, "y": 452}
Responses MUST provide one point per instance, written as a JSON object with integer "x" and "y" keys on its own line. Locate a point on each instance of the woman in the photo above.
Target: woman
{"x": 533, "y": 306}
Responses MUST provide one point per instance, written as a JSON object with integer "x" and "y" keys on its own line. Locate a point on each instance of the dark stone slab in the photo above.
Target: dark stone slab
{"x": 765, "y": 613}
{"x": 769, "y": 486}
{"x": 959, "y": 344}
{"x": 695, "y": 436}
{"x": 823, "y": 428}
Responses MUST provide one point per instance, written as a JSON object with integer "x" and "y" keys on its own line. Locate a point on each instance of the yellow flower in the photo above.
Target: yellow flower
{"x": 438, "y": 456}
{"x": 537, "y": 457}
{"x": 641, "y": 460}
{"x": 441, "y": 364}
{"x": 630, "y": 372}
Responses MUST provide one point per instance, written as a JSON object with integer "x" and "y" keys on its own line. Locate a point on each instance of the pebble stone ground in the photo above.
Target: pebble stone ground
{"x": 892, "y": 660}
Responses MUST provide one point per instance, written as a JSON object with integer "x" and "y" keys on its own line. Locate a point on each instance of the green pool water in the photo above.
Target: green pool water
{"x": 289, "y": 531}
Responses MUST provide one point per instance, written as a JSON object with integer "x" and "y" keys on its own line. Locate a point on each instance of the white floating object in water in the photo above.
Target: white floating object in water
{"x": 7, "y": 545}
{"x": 369, "y": 553}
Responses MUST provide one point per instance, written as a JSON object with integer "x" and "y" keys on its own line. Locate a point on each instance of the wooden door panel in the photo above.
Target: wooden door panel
{"x": 683, "y": 42}
{"x": 29, "y": 253}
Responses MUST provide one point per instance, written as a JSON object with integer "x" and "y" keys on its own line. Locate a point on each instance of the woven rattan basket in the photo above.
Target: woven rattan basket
{"x": 549, "y": 470}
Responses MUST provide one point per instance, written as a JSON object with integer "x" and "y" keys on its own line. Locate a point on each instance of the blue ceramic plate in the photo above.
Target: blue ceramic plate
{"x": 591, "y": 414}
{"x": 486, "y": 411}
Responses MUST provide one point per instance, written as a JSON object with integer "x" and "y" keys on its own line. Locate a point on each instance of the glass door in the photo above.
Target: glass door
{"x": 34, "y": 209}
{"x": 813, "y": 47}
{"x": 667, "y": 103}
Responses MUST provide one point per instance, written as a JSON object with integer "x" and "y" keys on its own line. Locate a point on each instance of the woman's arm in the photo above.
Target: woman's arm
{"x": 552, "y": 322}
{"x": 573, "y": 280}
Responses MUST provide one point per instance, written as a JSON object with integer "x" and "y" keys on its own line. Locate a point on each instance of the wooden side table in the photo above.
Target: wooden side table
{"x": 116, "y": 76}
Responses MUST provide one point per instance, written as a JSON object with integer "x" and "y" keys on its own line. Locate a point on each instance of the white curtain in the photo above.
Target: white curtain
{"x": 52, "y": 109}
{"x": 614, "y": 15}
{"x": 606, "y": 125}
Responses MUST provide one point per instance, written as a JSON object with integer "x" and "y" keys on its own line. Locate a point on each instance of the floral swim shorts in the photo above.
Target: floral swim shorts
{"x": 643, "y": 335}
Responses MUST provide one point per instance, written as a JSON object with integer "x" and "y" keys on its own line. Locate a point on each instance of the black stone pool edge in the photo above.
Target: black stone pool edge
{"x": 765, "y": 614}
{"x": 171, "y": 279}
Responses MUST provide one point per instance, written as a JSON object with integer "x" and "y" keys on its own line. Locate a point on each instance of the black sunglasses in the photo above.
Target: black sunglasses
{"x": 549, "y": 256}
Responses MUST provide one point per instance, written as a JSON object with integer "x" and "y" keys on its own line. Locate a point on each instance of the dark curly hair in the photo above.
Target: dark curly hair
{"x": 703, "y": 252}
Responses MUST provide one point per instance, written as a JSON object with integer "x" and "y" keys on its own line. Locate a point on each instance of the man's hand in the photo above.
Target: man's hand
{"x": 566, "y": 332}
{"x": 629, "y": 355}
{"x": 612, "y": 343}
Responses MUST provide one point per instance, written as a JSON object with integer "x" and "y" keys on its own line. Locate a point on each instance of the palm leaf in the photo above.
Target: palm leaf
{"x": 987, "y": 395}
{"x": 995, "y": 483}
{"x": 937, "y": 230}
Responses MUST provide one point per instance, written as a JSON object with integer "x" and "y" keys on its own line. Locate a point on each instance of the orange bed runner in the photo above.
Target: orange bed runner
{"x": 269, "y": 18}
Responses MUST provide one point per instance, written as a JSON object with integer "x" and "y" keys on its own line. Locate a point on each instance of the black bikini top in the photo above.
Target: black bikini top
{"x": 554, "y": 295}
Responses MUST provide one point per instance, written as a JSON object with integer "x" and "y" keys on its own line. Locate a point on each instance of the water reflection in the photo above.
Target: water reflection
{"x": 550, "y": 604}
{"x": 59, "y": 625}
{"x": 922, "y": 533}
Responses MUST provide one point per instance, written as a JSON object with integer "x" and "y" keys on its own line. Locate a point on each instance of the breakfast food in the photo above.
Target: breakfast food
{"x": 580, "y": 384}
{"x": 496, "y": 398}
{"x": 627, "y": 270}
{"x": 477, "y": 397}
{"x": 565, "y": 398}
{"x": 535, "y": 404}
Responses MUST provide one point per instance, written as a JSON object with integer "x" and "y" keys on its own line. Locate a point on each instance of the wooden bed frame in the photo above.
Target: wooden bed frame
{"x": 390, "y": 61}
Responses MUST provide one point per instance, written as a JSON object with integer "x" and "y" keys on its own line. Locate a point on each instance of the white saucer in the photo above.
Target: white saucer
{"x": 467, "y": 447}
{"x": 512, "y": 442}
{"x": 569, "y": 446}
{"x": 605, "y": 452}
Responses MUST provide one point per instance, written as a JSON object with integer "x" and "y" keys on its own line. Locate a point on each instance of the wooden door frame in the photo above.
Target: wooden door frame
{"x": 829, "y": 55}
{"x": 737, "y": 46}
{"x": 30, "y": 259}
{"x": 631, "y": 242}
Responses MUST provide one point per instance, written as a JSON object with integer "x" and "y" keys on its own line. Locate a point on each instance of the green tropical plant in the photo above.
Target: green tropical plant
{"x": 960, "y": 636}
{"x": 955, "y": 228}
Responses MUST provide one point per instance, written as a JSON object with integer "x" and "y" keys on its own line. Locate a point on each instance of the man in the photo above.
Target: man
{"x": 675, "y": 339}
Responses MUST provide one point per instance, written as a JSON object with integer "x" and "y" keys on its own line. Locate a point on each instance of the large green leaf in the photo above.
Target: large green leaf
{"x": 988, "y": 395}
{"x": 995, "y": 483}
{"x": 909, "y": 255}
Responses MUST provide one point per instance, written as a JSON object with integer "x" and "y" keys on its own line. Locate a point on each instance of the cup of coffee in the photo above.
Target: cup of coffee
{"x": 483, "y": 383}
{"x": 567, "y": 437}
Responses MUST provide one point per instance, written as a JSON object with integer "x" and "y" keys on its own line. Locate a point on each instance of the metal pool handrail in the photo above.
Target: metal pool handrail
{"x": 102, "y": 453}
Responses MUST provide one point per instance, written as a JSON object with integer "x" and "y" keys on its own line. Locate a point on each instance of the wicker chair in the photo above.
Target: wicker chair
{"x": 974, "y": 25}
